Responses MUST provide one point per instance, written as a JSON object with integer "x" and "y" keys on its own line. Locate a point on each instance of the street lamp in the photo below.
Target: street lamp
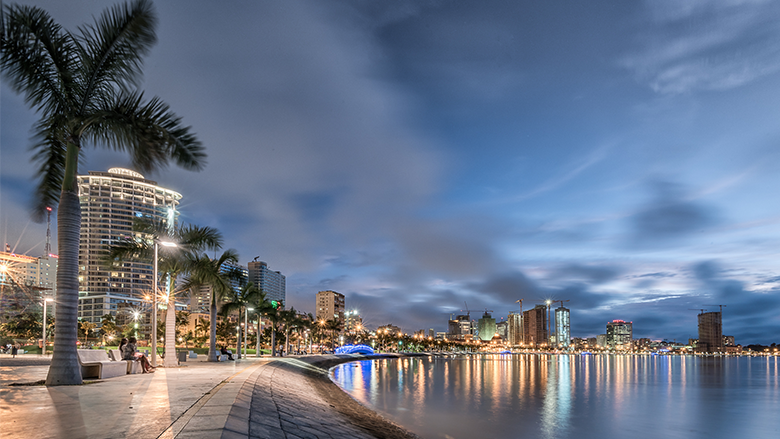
{"x": 154, "y": 298}
{"x": 246, "y": 325}
{"x": 48, "y": 299}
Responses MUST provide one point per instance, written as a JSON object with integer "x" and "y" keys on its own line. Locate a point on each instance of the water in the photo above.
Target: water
{"x": 572, "y": 396}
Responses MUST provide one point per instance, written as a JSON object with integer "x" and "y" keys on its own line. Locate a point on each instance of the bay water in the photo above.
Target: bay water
{"x": 572, "y": 396}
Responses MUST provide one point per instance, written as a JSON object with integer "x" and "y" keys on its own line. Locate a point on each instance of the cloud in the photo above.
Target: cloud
{"x": 669, "y": 218}
{"x": 689, "y": 46}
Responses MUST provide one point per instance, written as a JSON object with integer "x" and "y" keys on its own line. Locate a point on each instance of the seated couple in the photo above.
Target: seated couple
{"x": 130, "y": 352}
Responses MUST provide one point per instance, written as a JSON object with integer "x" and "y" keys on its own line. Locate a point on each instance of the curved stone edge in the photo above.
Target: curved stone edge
{"x": 256, "y": 412}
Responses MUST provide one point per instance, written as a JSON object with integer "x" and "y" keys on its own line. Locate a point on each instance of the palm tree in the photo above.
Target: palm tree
{"x": 261, "y": 306}
{"x": 334, "y": 326}
{"x": 237, "y": 301}
{"x": 174, "y": 262}
{"x": 214, "y": 274}
{"x": 83, "y": 87}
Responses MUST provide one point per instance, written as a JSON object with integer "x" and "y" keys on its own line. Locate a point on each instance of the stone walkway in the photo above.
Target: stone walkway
{"x": 286, "y": 398}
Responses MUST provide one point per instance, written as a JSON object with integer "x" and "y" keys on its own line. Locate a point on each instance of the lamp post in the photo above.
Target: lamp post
{"x": 43, "y": 348}
{"x": 246, "y": 325}
{"x": 154, "y": 298}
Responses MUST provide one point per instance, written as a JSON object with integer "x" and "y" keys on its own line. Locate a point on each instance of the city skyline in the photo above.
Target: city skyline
{"x": 415, "y": 156}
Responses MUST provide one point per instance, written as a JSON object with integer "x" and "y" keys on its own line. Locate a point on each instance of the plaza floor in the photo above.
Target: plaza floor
{"x": 263, "y": 397}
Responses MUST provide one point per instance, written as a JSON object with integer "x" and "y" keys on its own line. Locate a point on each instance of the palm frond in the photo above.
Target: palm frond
{"x": 49, "y": 152}
{"x": 150, "y": 132}
{"x": 37, "y": 57}
{"x": 111, "y": 50}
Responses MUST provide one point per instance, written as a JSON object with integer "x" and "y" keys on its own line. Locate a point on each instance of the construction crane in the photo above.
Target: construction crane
{"x": 697, "y": 309}
{"x": 488, "y": 310}
{"x": 720, "y": 307}
{"x": 561, "y": 302}
{"x": 521, "y": 305}
{"x": 468, "y": 312}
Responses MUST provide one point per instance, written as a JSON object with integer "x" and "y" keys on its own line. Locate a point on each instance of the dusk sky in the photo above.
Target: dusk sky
{"x": 416, "y": 155}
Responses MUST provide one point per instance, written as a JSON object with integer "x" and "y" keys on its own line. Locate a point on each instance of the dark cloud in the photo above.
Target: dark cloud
{"x": 669, "y": 218}
{"x": 592, "y": 274}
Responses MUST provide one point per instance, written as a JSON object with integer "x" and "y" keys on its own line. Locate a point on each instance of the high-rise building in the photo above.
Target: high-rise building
{"x": 330, "y": 305}
{"x": 535, "y": 326}
{"x": 502, "y": 329}
{"x": 601, "y": 340}
{"x": 272, "y": 282}
{"x": 620, "y": 335}
{"x": 710, "y": 332}
{"x": 562, "y": 327}
{"x": 110, "y": 202}
{"x": 515, "y": 329}
{"x": 486, "y": 327}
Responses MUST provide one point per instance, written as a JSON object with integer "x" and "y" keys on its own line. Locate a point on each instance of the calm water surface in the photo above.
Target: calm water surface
{"x": 572, "y": 396}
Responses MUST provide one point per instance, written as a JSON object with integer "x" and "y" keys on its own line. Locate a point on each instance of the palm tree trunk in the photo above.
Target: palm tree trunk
{"x": 170, "y": 332}
{"x": 213, "y": 330}
{"x": 273, "y": 339}
{"x": 65, "y": 369}
{"x": 257, "y": 345}
{"x": 238, "y": 342}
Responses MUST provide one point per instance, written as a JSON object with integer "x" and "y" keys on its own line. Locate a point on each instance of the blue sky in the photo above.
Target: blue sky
{"x": 418, "y": 155}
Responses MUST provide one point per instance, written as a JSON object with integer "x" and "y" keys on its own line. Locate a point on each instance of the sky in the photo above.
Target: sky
{"x": 422, "y": 157}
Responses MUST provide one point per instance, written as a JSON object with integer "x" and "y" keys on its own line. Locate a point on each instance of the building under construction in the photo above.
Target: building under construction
{"x": 710, "y": 332}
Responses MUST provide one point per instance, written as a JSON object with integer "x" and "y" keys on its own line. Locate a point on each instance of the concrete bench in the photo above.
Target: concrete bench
{"x": 193, "y": 354}
{"x": 96, "y": 363}
{"x": 132, "y": 365}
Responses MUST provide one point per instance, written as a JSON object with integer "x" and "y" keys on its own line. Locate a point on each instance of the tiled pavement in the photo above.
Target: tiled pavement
{"x": 286, "y": 398}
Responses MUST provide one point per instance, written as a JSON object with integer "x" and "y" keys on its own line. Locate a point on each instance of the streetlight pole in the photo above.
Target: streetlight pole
{"x": 246, "y": 326}
{"x": 154, "y": 308}
{"x": 43, "y": 348}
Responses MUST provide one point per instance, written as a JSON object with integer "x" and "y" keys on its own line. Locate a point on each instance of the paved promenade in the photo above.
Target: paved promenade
{"x": 288, "y": 398}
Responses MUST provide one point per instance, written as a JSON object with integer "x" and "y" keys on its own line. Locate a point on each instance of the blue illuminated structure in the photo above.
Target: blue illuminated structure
{"x": 354, "y": 349}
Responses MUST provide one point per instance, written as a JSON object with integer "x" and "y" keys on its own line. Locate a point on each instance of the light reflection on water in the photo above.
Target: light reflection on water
{"x": 572, "y": 396}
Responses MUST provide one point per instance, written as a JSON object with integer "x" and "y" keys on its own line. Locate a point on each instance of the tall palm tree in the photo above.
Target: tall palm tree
{"x": 237, "y": 300}
{"x": 84, "y": 88}
{"x": 261, "y": 306}
{"x": 214, "y": 274}
{"x": 189, "y": 239}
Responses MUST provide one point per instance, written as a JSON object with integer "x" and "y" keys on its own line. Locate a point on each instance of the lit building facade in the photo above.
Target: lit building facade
{"x": 486, "y": 327}
{"x": 459, "y": 327}
{"x": 620, "y": 335}
{"x": 710, "y": 332}
{"x": 535, "y": 326}
{"x": 110, "y": 202}
{"x": 515, "y": 329}
{"x": 273, "y": 283}
{"x": 562, "y": 327}
{"x": 330, "y": 305}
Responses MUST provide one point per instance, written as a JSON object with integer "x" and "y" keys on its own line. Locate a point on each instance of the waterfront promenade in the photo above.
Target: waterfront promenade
{"x": 288, "y": 397}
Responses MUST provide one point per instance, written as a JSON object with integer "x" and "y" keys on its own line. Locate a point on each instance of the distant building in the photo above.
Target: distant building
{"x": 728, "y": 340}
{"x": 592, "y": 342}
{"x": 601, "y": 340}
{"x": 273, "y": 283}
{"x": 330, "y": 305}
{"x": 353, "y": 322}
{"x": 562, "y": 327}
{"x": 515, "y": 329}
{"x": 535, "y": 326}
{"x": 710, "y": 332}
{"x": 620, "y": 335}
{"x": 459, "y": 327}
{"x": 502, "y": 329}
{"x": 200, "y": 301}
{"x": 486, "y": 327}
{"x": 389, "y": 329}
{"x": 110, "y": 203}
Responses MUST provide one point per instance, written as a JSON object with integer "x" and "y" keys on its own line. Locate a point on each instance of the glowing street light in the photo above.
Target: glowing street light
{"x": 48, "y": 299}
{"x": 154, "y": 298}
